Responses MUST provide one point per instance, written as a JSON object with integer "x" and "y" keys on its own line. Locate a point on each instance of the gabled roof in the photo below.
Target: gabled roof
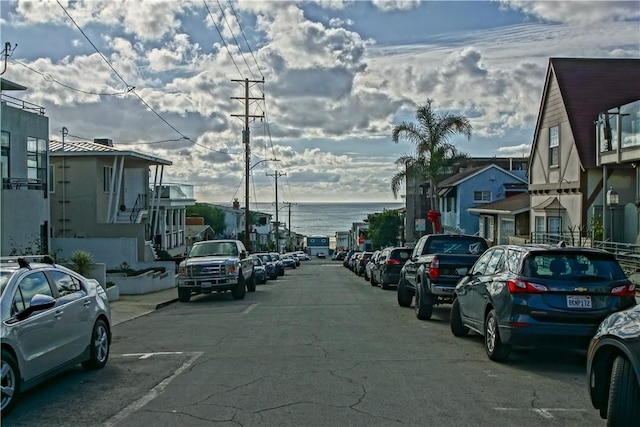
{"x": 460, "y": 177}
{"x": 86, "y": 148}
{"x": 512, "y": 205}
{"x": 588, "y": 87}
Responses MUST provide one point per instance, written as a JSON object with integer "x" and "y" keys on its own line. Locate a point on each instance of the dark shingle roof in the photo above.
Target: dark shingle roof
{"x": 513, "y": 204}
{"x": 589, "y": 87}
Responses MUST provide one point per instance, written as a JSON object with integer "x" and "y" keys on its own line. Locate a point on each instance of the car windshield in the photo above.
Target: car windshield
{"x": 213, "y": 249}
{"x": 580, "y": 267}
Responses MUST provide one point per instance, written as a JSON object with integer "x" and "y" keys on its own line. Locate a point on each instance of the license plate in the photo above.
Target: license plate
{"x": 205, "y": 284}
{"x": 578, "y": 301}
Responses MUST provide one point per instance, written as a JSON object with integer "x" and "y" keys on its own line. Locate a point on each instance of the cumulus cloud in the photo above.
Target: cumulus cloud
{"x": 389, "y": 5}
{"x": 577, "y": 12}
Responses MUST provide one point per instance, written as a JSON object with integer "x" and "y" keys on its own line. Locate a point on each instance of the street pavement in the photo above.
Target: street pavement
{"x": 129, "y": 307}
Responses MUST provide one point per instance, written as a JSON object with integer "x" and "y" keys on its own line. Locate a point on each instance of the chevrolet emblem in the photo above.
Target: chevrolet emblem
{"x": 580, "y": 289}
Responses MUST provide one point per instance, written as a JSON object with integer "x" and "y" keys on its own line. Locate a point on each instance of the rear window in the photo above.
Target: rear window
{"x": 458, "y": 245}
{"x": 578, "y": 267}
{"x": 402, "y": 255}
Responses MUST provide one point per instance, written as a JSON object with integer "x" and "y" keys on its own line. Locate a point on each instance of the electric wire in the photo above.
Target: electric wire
{"x": 224, "y": 16}
{"x": 245, "y": 39}
{"x": 130, "y": 88}
{"x": 213, "y": 21}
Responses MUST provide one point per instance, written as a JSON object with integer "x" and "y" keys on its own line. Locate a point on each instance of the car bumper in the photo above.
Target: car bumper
{"x": 213, "y": 284}
{"x": 548, "y": 335}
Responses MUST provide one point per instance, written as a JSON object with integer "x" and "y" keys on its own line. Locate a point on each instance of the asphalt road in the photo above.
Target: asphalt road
{"x": 317, "y": 347}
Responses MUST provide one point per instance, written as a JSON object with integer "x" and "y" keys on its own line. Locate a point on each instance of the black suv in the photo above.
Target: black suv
{"x": 386, "y": 271}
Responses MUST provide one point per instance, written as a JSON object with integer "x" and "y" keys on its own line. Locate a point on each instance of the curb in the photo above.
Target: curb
{"x": 166, "y": 303}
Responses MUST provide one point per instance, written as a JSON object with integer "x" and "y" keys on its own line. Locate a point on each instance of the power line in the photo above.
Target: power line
{"x": 222, "y": 38}
{"x": 49, "y": 78}
{"x": 245, "y": 39}
{"x": 224, "y": 16}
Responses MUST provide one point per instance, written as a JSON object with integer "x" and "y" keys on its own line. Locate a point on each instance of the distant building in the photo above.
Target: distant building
{"x": 317, "y": 244}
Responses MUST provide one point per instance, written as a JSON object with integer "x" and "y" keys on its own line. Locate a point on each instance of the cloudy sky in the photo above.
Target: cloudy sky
{"x": 158, "y": 77}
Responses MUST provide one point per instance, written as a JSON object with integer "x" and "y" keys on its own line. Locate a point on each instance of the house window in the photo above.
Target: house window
{"x": 107, "y": 176}
{"x": 554, "y": 146}
{"x": 539, "y": 224}
{"x": 554, "y": 224}
{"x": 482, "y": 196}
{"x": 5, "y": 154}
{"x": 52, "y": 179}
{"x": 37, "y": 159}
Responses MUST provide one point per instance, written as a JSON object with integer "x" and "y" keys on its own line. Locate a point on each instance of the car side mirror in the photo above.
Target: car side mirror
{"x": 38, "y": 302}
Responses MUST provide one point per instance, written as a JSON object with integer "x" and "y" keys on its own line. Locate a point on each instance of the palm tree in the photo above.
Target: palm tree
{"x": 434, "y": 153}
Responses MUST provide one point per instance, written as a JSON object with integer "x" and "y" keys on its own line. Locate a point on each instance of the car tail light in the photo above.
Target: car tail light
{"x": 626, "y": 290}
{"x": 434, "y": 268}
{"x": 392, "y": 261}
{"x": 524, "y": 287}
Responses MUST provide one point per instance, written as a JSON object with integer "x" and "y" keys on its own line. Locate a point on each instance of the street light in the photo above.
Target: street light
{"x": 612, "y": 201}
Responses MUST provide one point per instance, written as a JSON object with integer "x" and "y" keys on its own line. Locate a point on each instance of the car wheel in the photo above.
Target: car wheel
{"x": 496, "y": 349}
{"x": 624, "y": 394}
{"x": 239, "y": 291}
{"x": 10, "y": 382}
{"x": 251, "y": 284}
{"x": 373, "y": 280}
{"x": 424, "y": 310}
{"x": 99, "y": 347}
{"x": 384, "y": 286}
{"x": 184, "y": 295}
{"x": 404, "y": 295}
{"x": 457, "y": 327}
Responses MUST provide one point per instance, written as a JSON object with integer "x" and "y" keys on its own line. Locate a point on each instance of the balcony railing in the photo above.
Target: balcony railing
{"x": 22, "y": 184}
{"x": 23, "y": 105}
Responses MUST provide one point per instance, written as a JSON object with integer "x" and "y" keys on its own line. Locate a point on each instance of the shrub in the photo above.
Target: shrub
{"x": 81, "y": 262}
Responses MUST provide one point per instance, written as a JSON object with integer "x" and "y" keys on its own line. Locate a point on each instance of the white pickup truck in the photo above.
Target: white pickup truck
{"x": 216, "y": 266}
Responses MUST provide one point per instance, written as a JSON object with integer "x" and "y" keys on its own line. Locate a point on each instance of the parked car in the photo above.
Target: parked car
{"x": 295, "y": 256}
{"x": 278, "y": 262}
{"x": 613, "y": 368}
{"x": 259, "y": 270}
{"x": 303, "y": 255}
{"x": 386, "y": 270}
{"x": 339, "y": 256}
{"x": 538, "y": 295}
{"x": 347, "y": 258}
{"x": 269, "y": 264}
{"x": 353, "y": 259}
{"x": 38, "y": 342}
{"x": 370, "y": 265}
{"x": 437, "y": 262}
{"x": 362, "y": 263}
{"x": 288, "y": 261}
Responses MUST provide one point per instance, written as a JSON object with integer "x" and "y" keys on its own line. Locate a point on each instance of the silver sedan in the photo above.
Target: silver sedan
{"x": 52, "y": 320}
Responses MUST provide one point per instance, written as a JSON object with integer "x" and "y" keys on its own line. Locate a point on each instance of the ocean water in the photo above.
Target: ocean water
{"x": 323, "y": 219}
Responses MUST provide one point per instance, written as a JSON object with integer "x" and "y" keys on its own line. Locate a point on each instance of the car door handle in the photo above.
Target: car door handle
{"x": 58, "y": 314}
{"x": 87, "y": 303}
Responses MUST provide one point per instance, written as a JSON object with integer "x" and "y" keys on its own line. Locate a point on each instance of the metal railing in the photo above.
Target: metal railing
{"x": 23, "y": 105}
{"x": 22, "y": 183}
{"x": 139, "y": 205}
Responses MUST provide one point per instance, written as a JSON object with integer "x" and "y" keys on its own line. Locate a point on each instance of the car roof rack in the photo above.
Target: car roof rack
{"x": 24, "y": 260}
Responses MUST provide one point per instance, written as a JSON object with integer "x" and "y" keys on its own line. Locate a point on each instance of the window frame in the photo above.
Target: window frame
{"x": 554, "y": 146}
{"x": 482, "y": 194}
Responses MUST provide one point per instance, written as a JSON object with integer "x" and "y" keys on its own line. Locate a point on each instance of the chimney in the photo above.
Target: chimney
{"x": 236, "y": 204}
{"x": 104, "y": 141}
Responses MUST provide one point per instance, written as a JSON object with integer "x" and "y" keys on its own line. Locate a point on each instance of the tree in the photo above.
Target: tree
{"x": 213, "y": 216}
{"x": 435, "y": 155}
{"x": 384, "y": 228}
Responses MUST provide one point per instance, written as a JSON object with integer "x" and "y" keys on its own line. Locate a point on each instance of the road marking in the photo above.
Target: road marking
{"x": 248, "y": 309}
{"x": 148, "y": 355}
{"x": 545, "y": 413}
{"x": 154, "y": 392}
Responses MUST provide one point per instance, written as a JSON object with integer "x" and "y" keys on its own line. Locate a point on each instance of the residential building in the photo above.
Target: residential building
{"x": 172, "y": 201}
{"x": 472, "y": 188}
{"x": 342, "y": 240}
{"x": 586, "y": 142}
{"x": 505, "y": 221}
{"x": 24, "y": 197}
{"x": 102, "y": 202}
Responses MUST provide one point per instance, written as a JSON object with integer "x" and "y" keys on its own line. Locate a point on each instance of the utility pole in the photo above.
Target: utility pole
{"x": 289, "y": 223}
{"x": 277, "y": 174}
{"x": 247, "y": 152}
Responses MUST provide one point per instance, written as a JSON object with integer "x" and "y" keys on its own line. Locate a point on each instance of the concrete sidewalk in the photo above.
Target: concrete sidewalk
{"x": 129, "y": 307}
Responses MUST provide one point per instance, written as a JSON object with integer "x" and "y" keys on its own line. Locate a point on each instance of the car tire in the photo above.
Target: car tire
{"x": 251, "y": 284}
{"x": 424, "y": 310}
{"x": 624, "y": 393}
{"x": 373, "y": 280}
{"x": 404, "y": 295}
{"x": 384, "y": 286}
{"x": 99, "y": 346}
{"x": 10, "y": 382}
{"x": 184, "y": 295}
{"x": 495, "y": 348}
{"x": 239, "y": 291}
{"x": 457, "y": 327}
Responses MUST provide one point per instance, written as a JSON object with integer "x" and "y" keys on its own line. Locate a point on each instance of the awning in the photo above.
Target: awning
{"x": 551, "y": 204}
